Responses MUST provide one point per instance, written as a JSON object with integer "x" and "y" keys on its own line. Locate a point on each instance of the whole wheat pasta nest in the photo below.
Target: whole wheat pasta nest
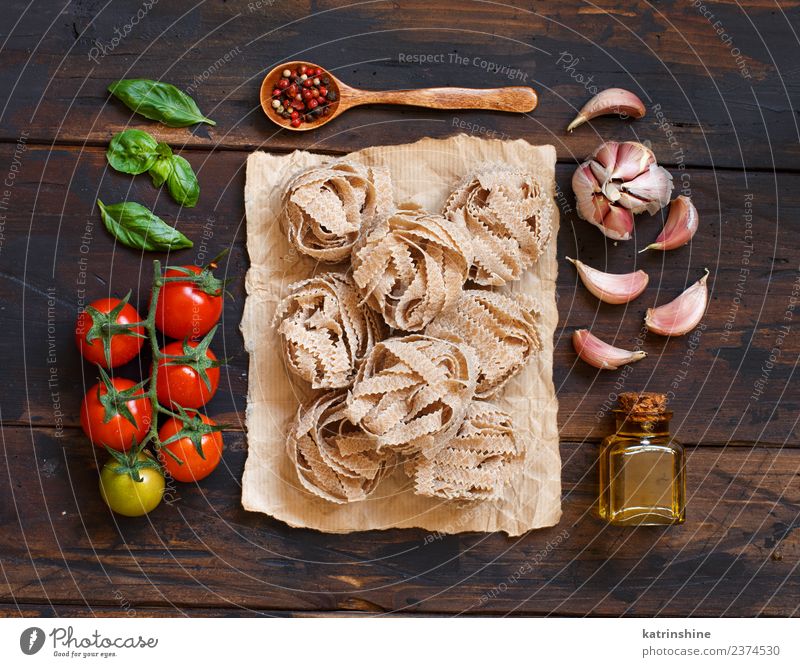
{"x": 411, "y": 266}
{"x": 327, "y": 208}
{"x": 411, "y": 393}
{"x": 325, "y": 330}
{"x": 502, "y": 329}
{"x": 334, "y": 459}
{"x": 509, "y": 217}
{"x": 476, "y": 464}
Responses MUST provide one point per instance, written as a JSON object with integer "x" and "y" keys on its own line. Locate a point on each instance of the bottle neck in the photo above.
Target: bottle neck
{"x": 639, "y": 424}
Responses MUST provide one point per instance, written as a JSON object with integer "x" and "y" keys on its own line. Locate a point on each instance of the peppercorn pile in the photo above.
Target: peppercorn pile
{"x": 303, "y": 95}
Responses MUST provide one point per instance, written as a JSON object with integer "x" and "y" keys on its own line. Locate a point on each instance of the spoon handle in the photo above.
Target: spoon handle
{"x": 518, "y": 99}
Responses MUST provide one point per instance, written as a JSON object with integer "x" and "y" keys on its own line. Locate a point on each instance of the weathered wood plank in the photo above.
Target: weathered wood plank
{"x": 711, "y": 101}
{"x": 54, "y": 240}
{"x": 736, "y": 555}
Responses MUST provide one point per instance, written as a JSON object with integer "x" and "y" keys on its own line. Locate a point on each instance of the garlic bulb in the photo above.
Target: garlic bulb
{"x": 612, "y": 288}
{"x": 618, "y": 181}
{"x": 680, "y": 227}
{"x": 600, "y": 354}
{"x": 682, "y": 314}
{"x": 609, "y": 101}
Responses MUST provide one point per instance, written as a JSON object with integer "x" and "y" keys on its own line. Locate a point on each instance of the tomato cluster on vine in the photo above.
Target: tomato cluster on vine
{"x": 121, "y": 415}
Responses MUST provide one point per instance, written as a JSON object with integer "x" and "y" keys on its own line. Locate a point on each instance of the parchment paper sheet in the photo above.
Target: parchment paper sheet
{"x": 425, "y": 172}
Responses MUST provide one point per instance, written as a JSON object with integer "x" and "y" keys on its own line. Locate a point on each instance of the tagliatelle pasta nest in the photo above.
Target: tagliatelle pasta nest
{"x": 325, "y": 330}
{"x": 326, "y": 209}
{"x": 411, "y": 393}
{"x": 334, "y": 459}
{"x": 476, "y": 464}
{"x": 502, "y": 329}
{"x": 412, "y": 266}
{"x": 509, "y": 217}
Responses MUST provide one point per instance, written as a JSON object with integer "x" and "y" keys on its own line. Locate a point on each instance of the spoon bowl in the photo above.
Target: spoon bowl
{"x": 514, "y": 99}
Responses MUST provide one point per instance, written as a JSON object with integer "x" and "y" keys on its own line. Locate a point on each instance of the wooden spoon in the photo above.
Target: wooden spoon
{"x": 519, "y": 99}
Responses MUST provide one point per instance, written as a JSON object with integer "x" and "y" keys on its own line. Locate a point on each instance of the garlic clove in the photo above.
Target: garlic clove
{"x": 614, "y": 288}
{"x": 617, "y": 223}
{"x": 601, "y": 355}
{"x": 609, "y": 101}
{"x": 681, "y": 225}
{"x": 682, "y": 314}
{"x": 649, "y": 191}
{"x": 632, "y": 159}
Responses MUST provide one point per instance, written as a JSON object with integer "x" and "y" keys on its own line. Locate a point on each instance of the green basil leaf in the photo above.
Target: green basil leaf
{"x": 136, "y": 226}
{"x": 161, "y": 170}
{"x": 132, "y": 151}
{"x": 158, "y": 101}
{"x": 163, "y": 149}
{"x": 182, "y": 182}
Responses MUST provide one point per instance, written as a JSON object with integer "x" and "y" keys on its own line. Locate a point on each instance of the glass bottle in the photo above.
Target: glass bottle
{"x": 642, "y": 468}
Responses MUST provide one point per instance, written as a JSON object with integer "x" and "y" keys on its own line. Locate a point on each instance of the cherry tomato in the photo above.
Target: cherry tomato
{"x": 194, "y": 466}
{"x": 126, "y": 496}
{"x": 122, "y": 346}
{"x": 117, "y": 432}
{"x": 184, "y": 310}
{"x": 181, "y": 384}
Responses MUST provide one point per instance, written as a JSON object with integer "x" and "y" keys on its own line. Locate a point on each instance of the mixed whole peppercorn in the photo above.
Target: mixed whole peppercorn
{"x": 302, "y": 95}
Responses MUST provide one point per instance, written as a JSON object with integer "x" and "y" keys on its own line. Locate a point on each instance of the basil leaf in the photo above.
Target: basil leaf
{"x": 136, "y": 226}
{"x": 182, "y": 182}
{"x": 163, "y": 150}
{"x": 161, "y": 170}
{"x": 158, "y": 101}
{"x": 132, "y": 151}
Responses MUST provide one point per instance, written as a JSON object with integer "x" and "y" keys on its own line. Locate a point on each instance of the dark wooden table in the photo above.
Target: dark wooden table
{"x": 720, "y": 80}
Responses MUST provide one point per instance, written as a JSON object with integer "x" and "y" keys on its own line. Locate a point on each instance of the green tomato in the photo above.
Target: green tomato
{"x": 127, "y": 497}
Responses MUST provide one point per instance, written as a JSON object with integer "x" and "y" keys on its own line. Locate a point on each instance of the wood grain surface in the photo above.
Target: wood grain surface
{"x": 721, "y": 114}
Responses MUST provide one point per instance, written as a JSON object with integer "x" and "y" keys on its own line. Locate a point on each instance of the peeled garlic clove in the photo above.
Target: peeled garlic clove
{"x": 602, "y": 355}
{"x": 682, "y": 314}
{"x": 612, "y": 288}
{"x": 680, "y": 227}
{"x": 609, "y": 101}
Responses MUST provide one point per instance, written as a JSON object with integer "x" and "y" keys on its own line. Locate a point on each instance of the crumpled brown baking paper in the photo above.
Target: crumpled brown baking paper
{"x": 425, "y": 172}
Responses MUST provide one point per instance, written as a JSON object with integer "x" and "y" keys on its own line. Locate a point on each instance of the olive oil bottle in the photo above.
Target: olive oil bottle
{"x": 642, "y": 468}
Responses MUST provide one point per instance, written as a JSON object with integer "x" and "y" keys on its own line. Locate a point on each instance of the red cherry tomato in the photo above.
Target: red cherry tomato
{"x": 181, "y": 384}
{"x": 184, "y": 310}
{"x": 194, "y": 466}
{"x": 118, "y": 432}
{"x": 123, "y": 347}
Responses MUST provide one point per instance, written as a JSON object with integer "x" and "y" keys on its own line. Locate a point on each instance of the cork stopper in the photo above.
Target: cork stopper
{"x": 645, "y": 402}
